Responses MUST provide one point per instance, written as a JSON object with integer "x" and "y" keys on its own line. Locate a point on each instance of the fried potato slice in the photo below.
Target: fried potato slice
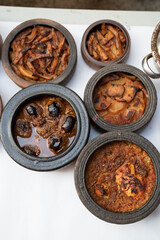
{"x": 101, "y": 103}
{"x": 129, "y": 94}
{"x": 115, "y": 107}
{"x": 127, "y": 116}
{"x": 115, "y": 90}
{"x": 111, "y": 119}
{"x": 138, "y": 104}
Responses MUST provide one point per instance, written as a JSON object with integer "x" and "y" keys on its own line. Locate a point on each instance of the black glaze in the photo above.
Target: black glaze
{"x": 50, "y": 163}
{"x": 90, "y": 204}
{"x": 106, "y": 126}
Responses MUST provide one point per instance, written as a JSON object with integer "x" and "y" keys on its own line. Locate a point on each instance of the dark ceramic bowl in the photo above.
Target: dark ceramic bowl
{"x": 99, "y": 64}
{"x": 90, "y": 204}
{"x": 53, "y": 162}
{"x": 99, "y": 121}
{"x": 64, "y": 77}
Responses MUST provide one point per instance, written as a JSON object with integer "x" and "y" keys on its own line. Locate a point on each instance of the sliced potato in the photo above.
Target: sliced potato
{"x": 115, "y": 90}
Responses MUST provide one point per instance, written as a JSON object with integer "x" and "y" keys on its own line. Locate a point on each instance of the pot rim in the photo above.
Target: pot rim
{"x": 50, "y": 163}
{"x": 64, "y": 77}
{"x": 90, "y": 204}
{"x": 98, "y": 64}
{"x": 99, "y": 121}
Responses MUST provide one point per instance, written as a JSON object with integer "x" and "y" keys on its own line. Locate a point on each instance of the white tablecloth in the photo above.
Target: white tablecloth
{"x": 45, "y": 205}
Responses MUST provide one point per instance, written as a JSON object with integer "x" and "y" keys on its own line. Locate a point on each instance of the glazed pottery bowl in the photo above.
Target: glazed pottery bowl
{"x": 127, "y": 69}
{"x": 64, "y": 77}
{"x": 8, "y": 126}
{"x": 80, "y": 178}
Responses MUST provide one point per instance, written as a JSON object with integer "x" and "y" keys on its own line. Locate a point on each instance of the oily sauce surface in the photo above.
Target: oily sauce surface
{"x": 120, "y": 98}
{"x": 120, "y": 176}
{"x": 45, "y": 126}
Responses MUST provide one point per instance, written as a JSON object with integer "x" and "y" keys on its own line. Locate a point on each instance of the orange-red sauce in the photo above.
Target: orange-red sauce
{"x": 120, "y": 177}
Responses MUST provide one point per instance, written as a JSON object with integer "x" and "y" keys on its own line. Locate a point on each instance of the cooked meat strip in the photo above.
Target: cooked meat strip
{"x": 107, "y": 43}
{"x": 39, "y": 54}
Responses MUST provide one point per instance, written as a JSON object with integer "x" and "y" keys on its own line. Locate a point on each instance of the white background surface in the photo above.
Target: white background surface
{"x": 45, "y": 205}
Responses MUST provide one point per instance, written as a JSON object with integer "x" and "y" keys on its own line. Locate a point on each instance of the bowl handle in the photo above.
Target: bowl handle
{"x": 147, "y": 68}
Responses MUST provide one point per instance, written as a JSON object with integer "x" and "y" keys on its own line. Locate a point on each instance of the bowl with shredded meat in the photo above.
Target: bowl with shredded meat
{"x": 105, "y": 42}
{"x": 38, "y": 51}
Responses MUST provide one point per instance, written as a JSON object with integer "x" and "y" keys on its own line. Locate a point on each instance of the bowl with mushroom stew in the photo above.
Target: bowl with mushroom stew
{"x": 46, "y": 129}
